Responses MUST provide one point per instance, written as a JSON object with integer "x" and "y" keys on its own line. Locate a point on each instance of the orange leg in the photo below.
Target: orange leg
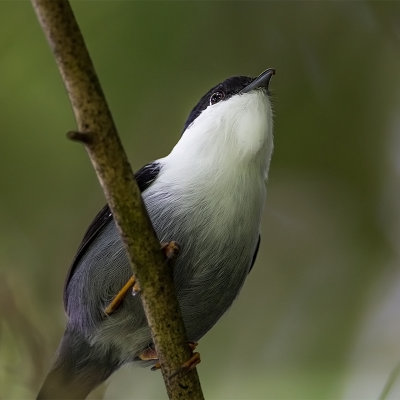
{"x": 116, "y": 301}
{"x": 170, "y": 250}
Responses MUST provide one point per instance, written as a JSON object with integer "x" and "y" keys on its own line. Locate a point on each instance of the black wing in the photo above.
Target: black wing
{"x": 144, "y": 177}
{"x": 255, "y": 253}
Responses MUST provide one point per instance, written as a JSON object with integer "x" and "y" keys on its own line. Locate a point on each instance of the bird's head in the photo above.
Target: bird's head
{"x": 231, "y": 122}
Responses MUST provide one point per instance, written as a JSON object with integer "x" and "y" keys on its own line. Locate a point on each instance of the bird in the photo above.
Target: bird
{"x": 207, "y": 195}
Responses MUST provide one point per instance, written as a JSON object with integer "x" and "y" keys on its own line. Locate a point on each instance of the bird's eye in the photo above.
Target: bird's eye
{"x": 216, "y": 97}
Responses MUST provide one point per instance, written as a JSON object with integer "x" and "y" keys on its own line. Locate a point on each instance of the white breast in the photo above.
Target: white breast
{"x": 209, "y": 196}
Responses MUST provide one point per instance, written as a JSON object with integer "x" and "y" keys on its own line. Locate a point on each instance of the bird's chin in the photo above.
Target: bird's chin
{"x": 238, "y": 129}
{"x": 252, "y": 124}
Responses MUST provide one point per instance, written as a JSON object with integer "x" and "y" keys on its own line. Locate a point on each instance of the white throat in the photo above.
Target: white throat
{"x": 220, "y": 164}
{"x": 232, "y": 134}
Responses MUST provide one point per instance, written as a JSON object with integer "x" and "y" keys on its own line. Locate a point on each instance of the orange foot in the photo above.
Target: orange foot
{"x": 192, "y": 362}
{"x": 148, "y": 354}
{"x": 170, "y": 250}
{"x": 151, "y": 354}
{"x": 193, "y": 345}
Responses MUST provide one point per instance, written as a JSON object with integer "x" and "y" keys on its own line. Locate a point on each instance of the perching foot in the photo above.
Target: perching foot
{"x": 186, "y": 366}
{"x": 151, "y": 354}
{"x": 170, "y": 250}
{"x": 192, "y": 362}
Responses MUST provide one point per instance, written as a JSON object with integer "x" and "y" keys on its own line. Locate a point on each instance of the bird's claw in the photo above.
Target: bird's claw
{"x": 192, "y": 362}
{"x": 170, "y": 250}
{"x": 188, "y": 365}
{"x": 156, "y": 366}
{"x": 151, "y": 354}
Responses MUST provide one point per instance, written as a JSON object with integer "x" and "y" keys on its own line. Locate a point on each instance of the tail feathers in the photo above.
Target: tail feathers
{"x": 79, "y": 368}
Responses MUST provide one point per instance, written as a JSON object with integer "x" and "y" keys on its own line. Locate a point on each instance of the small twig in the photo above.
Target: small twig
{"x": 83, "y": 137}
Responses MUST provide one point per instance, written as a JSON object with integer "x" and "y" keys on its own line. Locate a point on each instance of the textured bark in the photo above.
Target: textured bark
{"x": 96, "y": 130}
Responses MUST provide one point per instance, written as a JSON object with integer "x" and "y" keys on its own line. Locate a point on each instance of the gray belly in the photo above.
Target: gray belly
{"x": 212, "y": 265}
{"x": 208, "y": 274}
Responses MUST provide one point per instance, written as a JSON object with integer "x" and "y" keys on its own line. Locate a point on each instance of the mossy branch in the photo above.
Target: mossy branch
{"x": 97, "y": 131}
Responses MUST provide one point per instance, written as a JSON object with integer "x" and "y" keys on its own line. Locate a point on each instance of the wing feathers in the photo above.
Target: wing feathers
{"x": 144, "y": 177}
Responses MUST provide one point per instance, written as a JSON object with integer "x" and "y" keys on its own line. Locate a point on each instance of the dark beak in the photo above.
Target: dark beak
{"x": 262, "y": 81}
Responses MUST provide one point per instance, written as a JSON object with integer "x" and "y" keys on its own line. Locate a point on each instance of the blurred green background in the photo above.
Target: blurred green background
{"x": 318, "y": 317}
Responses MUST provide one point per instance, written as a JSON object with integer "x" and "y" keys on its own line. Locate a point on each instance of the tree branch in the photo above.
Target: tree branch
{"x": 99, "y": 135}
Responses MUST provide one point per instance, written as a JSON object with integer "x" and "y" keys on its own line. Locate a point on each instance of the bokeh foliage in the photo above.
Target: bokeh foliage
{"x": 318, "y": 316}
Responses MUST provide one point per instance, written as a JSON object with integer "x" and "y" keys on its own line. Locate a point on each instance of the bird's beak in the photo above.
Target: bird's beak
{"x": 262, "y": 81}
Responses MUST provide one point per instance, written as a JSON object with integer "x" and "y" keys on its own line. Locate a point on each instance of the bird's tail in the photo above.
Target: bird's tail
{"x": 78, "y": 369}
